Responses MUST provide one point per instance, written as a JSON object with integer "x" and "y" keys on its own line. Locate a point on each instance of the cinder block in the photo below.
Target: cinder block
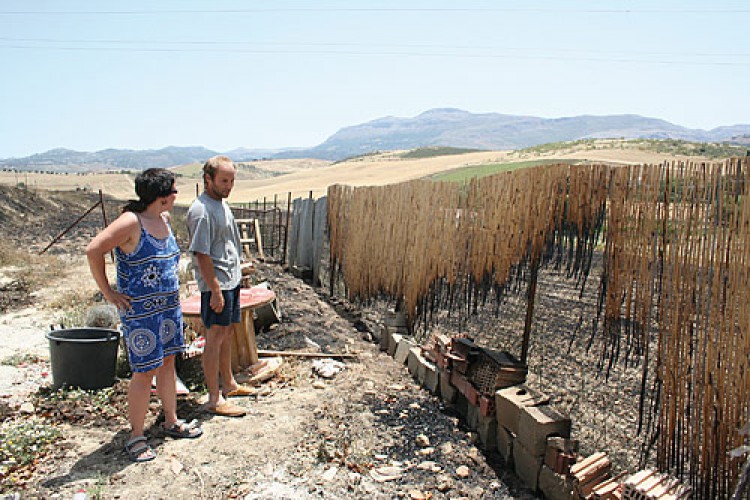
{"x": 402, "y": 350}
{"x": 413, "y": 362}
{"x": 487, "y": 430}
{"x": 555, "y": 486}
{"x": 527, "y": 465}
{"x": 447, "y": 391}
{"x": 431, "y": 377}
{"x": 393, "y": 340}
{"x": 472, "y": 416}
{"x": 384, "y": 338}
{"x": 461, "y": 405}
{"x": 396, "y": 319}
{"x": 505, "y": 440}
{"x": 536, "y": 423}
{"x": 510, "y": 400}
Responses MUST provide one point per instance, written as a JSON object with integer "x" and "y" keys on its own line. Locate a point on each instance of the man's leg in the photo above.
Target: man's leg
{"x": 228, "y": 383}
{"x": 216, "y": 337}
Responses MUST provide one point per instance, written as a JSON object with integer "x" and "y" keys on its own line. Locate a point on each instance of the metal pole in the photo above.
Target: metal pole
{"x": 69, "y": 227}
{"x": 274, "y": 234}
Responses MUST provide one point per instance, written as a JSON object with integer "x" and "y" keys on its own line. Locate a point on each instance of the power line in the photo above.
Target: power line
{"x": 376, "y": 53}
{"x": 373, "y": 9}
{"x": 357, "y": 44}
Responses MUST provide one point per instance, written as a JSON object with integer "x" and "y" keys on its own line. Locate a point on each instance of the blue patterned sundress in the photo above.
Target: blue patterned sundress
{"x": 152, "y": 327}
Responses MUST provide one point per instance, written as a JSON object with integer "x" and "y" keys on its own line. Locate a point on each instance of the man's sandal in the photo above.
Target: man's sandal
{"x": 240, "y": 391}
{"x": 228, "y": 409}
{"x": 138, "y": 450}
{"x": 182, "y": 429}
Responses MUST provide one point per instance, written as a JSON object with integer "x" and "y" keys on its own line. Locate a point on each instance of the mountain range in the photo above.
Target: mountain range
{"x": 436, "y": 127}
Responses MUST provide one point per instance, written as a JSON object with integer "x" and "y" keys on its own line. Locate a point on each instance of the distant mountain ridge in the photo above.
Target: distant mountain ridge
{"x": 436, "y": 127}
{"x": 462, "y": 129}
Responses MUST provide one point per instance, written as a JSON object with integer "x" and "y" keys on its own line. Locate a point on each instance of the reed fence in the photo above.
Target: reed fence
{"x": 675, "y": 240}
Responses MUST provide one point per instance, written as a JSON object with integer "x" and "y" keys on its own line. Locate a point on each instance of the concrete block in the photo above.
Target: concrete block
{"x": 510, "y": 400}
{"x": 472, "y": 416}
{"x": 393, "y": 340}
{"x": 447, "y": 391}
{"x": 402, "y": 349}
{"x": 504, "y": 440}
{"x": 396, "y": 319}
{"x": 431, "y": 377}
{"x": 487, "y": 430}
{"x": 555, "y": 486}
{"x": 384, "y": 338}
{"x": 461, "y": 405}
{"x": 526, "y": 465}
{"x": 413, "y": 362}
{"x": 537, "y": 423}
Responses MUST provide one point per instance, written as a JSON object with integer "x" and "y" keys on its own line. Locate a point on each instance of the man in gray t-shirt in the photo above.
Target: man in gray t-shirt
{"x": 215, "y": 249}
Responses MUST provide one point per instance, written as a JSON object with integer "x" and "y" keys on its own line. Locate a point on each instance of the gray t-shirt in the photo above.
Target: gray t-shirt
{"x": 213, "y": 231}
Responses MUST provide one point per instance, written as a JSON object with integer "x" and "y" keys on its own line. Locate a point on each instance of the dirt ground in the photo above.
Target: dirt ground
{"x": 304, "y": 436}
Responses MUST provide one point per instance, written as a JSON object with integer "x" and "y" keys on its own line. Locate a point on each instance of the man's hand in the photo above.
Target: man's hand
{"x": 217, "y": 302}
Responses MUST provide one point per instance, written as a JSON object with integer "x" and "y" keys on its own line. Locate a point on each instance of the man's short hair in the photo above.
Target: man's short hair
{"x": 213, "y": 163}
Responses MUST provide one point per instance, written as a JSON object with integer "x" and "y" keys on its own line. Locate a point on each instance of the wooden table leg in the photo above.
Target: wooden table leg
{"x": 252, "y": 346}
{"x": 236, "y": 338}
{"x": 245, "y": 348}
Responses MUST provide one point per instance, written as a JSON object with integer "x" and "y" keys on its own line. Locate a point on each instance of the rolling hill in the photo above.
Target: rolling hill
{"x": 436, "y": 127}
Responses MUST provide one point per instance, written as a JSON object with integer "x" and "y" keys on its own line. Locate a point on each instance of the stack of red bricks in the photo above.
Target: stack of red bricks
{"x": 594, "y": 473}
{"x": 649, "y": 484}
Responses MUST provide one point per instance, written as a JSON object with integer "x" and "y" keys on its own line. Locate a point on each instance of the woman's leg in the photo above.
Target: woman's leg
{"x": 166, "y": 382}
{"x": 139, "y": 393}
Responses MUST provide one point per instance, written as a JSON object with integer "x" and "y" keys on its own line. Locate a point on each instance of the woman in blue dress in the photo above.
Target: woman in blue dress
{"x": 147, "y": 297}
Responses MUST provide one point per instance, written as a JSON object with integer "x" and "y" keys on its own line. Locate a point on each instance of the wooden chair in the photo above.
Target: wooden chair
{"x": 250, "y": 235}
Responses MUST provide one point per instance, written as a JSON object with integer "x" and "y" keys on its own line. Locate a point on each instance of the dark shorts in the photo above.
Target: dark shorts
{"x": 230, "y": 314}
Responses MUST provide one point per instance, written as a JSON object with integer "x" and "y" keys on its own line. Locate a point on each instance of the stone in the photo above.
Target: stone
{"x": 536, "y": 423}
{"x": 422, "y": 440}
{"x": 463, "y": 471}
{"x": 445, "y": 483}
{"x": 509, "y": 401}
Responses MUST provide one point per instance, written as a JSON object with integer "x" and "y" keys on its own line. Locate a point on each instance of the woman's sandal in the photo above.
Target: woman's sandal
{"x": 138, "y": 450}
{"x": 182, "y": 429}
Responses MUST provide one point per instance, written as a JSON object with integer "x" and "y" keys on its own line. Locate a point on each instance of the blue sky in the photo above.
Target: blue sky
{"x": 90, "y": 75}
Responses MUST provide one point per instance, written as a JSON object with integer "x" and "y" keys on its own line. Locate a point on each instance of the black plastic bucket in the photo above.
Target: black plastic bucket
{"x": 83, "y": 357}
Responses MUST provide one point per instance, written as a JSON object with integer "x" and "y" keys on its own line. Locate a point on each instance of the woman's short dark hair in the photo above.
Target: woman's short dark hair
{"x": 150, "y": 185}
